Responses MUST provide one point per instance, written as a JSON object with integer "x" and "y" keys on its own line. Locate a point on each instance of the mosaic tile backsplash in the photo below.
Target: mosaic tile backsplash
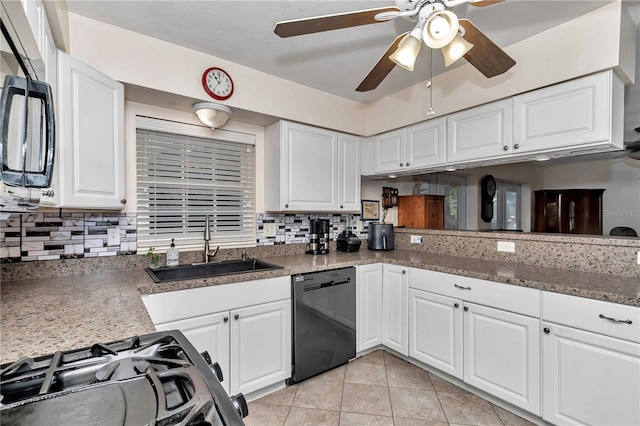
{"x": 54, "y": 236}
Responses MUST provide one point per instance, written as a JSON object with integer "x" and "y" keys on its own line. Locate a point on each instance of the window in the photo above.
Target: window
{"x": 185, "y": 172}
{"x": 506, "y": 206}
{"x": 453, "y": 187}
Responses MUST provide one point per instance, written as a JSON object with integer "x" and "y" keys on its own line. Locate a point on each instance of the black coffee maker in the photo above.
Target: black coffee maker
{"x": 318, "y": 236}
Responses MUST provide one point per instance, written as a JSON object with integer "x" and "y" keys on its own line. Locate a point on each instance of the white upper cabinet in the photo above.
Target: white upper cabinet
{"x": 480, "y": 132}
{"x": 585, "y": 111}
{"x": 311, "y": 169}
{"x": 89, "y": 160}
{"x": 349, "y": 179}
{"x": 412, "y": 148}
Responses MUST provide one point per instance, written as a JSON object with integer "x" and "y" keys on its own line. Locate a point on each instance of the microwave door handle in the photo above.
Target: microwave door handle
{"x": 51, "y": 136}
{"x": 25, "y": 134}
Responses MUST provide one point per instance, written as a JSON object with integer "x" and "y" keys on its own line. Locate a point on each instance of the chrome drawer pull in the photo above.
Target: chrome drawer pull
{"x": 462, "y": 288}
{"x": 614, "y": 320}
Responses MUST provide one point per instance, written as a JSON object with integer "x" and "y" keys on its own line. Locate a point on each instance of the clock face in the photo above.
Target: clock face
{"x": 490, "y": 186}
{"x": 217, "y": 83}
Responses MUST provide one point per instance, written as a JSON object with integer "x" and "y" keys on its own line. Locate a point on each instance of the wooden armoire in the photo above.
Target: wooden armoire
{"x": 568, "y": 211}
{"x": 421, "y": 211}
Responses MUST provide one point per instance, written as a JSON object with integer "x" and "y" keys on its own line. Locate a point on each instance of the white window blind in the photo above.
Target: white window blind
{"x": 181, "y": 178}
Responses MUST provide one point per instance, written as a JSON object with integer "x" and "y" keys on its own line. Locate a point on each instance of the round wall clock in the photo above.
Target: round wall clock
{"x": 217, "y": 83}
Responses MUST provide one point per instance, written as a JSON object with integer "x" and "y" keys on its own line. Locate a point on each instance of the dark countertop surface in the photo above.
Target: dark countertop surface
{"x": 40, "y": 316}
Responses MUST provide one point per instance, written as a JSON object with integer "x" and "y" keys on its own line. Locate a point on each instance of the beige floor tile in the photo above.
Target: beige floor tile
{"x": 335, "y": 375}
{"x": 468, "y": 409}
{"x": 281, "y": 397}
{"x": 398, "y": 421}
{"x": 408, "y": 376}
{"x": 416, "y": 404}
{"x": 441, "y": 385}
{"x": 376, "y": 357}
{"x": 366, "y": 399}
{"x": 315, "y": 393}
{"x": 392, "y": 359}
{"x": 510, "y": 419}
{"x": 355, "y": 419}
{"x": 312, "y": 417}
{"x": 366, "y": 373}
{"x": 266, "y": 415}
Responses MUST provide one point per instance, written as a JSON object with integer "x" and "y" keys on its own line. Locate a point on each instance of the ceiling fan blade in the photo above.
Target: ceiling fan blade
{"x": 483, "y": 3}
{"x": 380, "y": 71}
{"x": 318, "y": 24}
{"x": 488, "y": 58}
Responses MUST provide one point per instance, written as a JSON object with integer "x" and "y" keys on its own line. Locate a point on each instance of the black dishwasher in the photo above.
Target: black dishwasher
{"x": 324, "y": 321}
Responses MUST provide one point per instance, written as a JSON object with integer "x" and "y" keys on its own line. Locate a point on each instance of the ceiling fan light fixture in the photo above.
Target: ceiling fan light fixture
{"x": 441, "y": 28}
{"x": 212, "y": 114}
{"x": 407, "y": 52}
{"x": 455, "y": 50}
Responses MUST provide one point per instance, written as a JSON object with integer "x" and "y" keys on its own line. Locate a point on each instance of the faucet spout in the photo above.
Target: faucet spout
{"x": 208, "y": 255}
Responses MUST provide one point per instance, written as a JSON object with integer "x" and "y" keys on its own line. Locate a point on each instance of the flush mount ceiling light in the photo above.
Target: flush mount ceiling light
{"x": 212, "y": 114}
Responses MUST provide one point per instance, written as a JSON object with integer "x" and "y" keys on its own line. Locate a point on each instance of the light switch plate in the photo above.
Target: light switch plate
{"x": 113, "y": 237}
{"x": 269, "y": 230}
{"x": 507, "y": 246}
{"x": 416, "y": 239}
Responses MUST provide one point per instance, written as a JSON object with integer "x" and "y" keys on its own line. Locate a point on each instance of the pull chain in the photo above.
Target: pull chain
{"x": 431, "y": 113}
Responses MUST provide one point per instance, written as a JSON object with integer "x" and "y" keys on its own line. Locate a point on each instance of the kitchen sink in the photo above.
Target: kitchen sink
{"x": 206, "y": 270}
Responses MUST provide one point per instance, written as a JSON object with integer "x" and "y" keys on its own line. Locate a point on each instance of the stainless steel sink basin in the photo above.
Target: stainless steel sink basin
{"x": 205, "y": 270}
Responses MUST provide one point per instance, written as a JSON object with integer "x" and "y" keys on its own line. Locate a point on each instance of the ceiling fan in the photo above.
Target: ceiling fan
{"x": 436, "y": 26}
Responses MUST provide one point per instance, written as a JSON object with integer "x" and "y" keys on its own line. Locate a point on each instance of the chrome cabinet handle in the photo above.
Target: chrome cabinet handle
{"x": 341, "y": 207}
{"x": 455, "y": 305}
{"x": 286, "y": 206}
{"x": 404, "y": 272}
{"x": 466, "y": 308}
{"x": 236, "y": 316}
{"x": 516, "y": 146}
{"x": 123, "y": 201}
{"x": 225, "y": 319}
{"x": 407, "y": 164}
{"x": 401, "y": 164}
{"x": 546, "y": 330}
{"x": 505, "y": 148}
{"x": 461, "y": 288}
{"x": 615, "y": 320}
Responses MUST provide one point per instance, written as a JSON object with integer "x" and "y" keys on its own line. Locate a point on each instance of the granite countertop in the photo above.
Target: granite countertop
{"x": 40, "y": 316}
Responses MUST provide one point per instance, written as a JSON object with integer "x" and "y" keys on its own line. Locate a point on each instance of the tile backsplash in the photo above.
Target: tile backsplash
{"x": 54, "y": 236}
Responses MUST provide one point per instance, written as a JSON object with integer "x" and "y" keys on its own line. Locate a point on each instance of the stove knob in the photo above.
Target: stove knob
{"x": 206, "y": 357}
{"x": 217, "y": 370}
{"x": 240, "y": 404}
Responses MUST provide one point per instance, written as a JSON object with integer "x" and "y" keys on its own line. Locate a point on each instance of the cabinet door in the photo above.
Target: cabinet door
{"x": 369, "y": 306}
{"x": 207, "y": 333}
{"x": 481, "y": 132}
{"x": 310, "y": 168}
{"x": 389, "y": 151}
{"x": 501, "y": 355}
{"x": 435, "y": 331}
{"x": 573, "y": 113}
{"x": 90, "y": 151}
{"x": 260, "y": 346}
{"x": 426, "y": 144}
{"x": 394, "y": 309}
{"x": 589, "y": 378}
{"x": 349, "y": 179}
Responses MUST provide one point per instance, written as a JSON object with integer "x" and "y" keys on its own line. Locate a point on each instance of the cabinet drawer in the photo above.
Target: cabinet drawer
{"x": 194, "y": 302}
{"x": 586, "y": 314}
{"x": 521, "y": 300}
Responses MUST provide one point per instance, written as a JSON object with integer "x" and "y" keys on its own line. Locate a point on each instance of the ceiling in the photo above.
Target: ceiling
{"x": 335, "y": 61}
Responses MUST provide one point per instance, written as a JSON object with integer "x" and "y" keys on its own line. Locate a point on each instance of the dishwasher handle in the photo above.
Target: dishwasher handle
{"x": 312, "y": 287}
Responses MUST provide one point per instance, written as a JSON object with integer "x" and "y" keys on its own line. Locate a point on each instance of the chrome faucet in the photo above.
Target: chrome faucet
{"x": 208, "y": 255}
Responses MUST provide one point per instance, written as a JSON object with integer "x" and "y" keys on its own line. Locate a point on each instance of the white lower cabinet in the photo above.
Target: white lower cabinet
{"x": 260, "y": 346}
{"x": 368, "y": 306}
{"x": 395, "y": 286}
{"x": 501, "y": 355}
{"x": 245, "y": 327}
{"x": 435, "y": 331}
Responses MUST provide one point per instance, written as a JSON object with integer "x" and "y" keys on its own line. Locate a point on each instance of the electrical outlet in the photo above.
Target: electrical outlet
{"x": 416, "y": 239}
{"x": 113, "y": 237}
{"x": 269, "y": 230}
{"x": 507, "y": 246}
{"x": 359, "y": 226}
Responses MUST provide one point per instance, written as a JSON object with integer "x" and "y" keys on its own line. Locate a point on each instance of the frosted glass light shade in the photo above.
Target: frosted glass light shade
{"x": 455, "y": 50}
{"x": 440, "y": 29}
{"x": 407, "y": 52}
{"x": 212, "y": 114}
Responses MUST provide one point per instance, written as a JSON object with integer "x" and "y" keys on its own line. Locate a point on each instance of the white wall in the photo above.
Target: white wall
{"x": 619, "y": 177}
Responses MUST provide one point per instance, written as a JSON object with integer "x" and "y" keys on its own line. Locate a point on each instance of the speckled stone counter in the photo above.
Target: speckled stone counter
{"x": 40, "y": 316}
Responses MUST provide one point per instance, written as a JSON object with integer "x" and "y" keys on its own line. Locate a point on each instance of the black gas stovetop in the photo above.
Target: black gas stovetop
{"x": 156, "y": 379}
